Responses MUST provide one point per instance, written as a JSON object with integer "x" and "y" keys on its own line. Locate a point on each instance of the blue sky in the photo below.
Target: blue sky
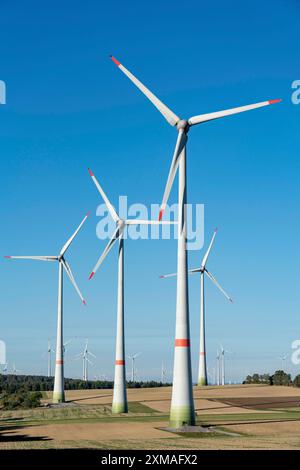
{"x": 69, "y": 108}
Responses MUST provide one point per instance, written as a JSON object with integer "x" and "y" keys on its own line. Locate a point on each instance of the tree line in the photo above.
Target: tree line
{"x": 38, "y": 383}
{"x": 278, "y": 378}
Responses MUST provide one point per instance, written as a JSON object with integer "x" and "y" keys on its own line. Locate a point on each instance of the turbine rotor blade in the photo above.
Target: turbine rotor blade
{"x": 109, "y": 206}
{"x": 162, "y": 108}
{"x": 228, "y": 112}
{"x": 148, "y": 222}
{"x": 116, "y": 235}
{"x": 72, "y": 279}
{"x": 218, "y": 286}
{"x": 69, "y": 241}
{"x": 180, "y": 144}
{"x": 36, "y": 258}
{"x": 190, "y": 271}
{"x": 195, "y": 270}
{"x": 205, "y": 258}
{"x": 168, "y": 275}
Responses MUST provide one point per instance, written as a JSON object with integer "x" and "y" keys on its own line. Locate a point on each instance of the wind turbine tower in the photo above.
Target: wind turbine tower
{"x": 182, "y": 405}
{"x": 58, "y": 392}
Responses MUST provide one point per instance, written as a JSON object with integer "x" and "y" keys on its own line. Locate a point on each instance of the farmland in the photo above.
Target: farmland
{"x": 238, "y": 417}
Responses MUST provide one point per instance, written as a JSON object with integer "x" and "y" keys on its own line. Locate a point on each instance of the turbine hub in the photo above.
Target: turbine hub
{"x": 121, "y": 223}
{"x": 183, "y": 125}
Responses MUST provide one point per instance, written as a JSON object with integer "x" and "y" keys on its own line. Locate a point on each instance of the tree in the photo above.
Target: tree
{"x": 281, "y": 378}
{"x": 297, "y": 381}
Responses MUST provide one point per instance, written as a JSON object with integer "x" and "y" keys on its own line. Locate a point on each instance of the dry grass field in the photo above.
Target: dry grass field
{"x": 239, "y": 417}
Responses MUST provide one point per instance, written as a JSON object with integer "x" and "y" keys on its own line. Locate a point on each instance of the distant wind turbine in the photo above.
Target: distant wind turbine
{"x": 218, "y": 368}
{"x": 283, "y": 359}
{"x": 223, "y": 352}
{"x": 58, "y": 393}
{"x": 49, "y": 352}
{"x": 85, "y": 360}
{"x": 133, "y": 368}
{"x": 15, "y": 371}
{"x": 163, "y": 373}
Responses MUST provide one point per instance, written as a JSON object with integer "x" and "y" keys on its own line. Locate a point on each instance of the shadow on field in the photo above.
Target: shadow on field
{"x": 8, "y": 434}
{"x": 260, "y": 402}
{"x": 90, "y": 398}
{"x": 239, "y": 423}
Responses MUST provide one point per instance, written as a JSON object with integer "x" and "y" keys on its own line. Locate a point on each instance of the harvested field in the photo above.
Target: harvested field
{"x": 260, "y": 417}
{"x": 262, "y": 402}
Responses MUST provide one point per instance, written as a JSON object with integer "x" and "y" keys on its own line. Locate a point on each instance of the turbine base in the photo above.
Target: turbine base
{"x": 118, "y": 408}
{"x": 202, "y": 382}
{"x": 182, "y": 416}
{"x": 58, "y": 397}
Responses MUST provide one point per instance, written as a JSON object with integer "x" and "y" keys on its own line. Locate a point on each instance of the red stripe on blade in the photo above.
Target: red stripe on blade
{"x": 274, "y": 101}
{"x": 115, "y": 60}
{"x": 90, "y": 172}
{"x": 91, "y": 275}
{"x": 183, "y": 343}
{"x": 160, "y": 214}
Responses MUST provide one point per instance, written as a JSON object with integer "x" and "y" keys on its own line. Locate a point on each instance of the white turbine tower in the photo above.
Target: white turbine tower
{"x": 182, "y": 405}
{"x": 58, "y": 393}
{"x": 133, "y": 368}
{"x": 202, "y": 372}
{"x": 119, "y": 404}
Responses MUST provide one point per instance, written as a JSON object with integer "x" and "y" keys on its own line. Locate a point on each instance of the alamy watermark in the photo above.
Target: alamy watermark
{"x": 296, "y": 94}
{"x": 194, "y": 217}
{"x": 2, "y": 92}
{"x": 295, "y": 356}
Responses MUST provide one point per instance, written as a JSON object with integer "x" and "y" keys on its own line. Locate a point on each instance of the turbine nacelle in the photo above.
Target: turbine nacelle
{"x": 183, "y": 125}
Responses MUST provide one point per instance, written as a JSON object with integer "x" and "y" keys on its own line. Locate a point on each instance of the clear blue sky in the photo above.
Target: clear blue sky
{"x": 68, "y": 108}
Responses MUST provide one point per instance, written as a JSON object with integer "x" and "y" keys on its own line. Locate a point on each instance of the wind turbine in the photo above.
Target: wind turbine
{"x": 218, "y": 368}
{"x": 202, "y": 373}
{"x": 85, "y": 360}
{"x": 119, "y": 404}
{"x": 163, "y": 373}
{"x": 15, "y": 370}
{"x": 222, "y": 357}
{"x": 58, "y": 393}
{"x": 49, "y": 352}
{"x": 65, "y": 346}
{"x": 283, "y": 358}
{"x": 182, "y": 405}
{"x": 133, "y": 369}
